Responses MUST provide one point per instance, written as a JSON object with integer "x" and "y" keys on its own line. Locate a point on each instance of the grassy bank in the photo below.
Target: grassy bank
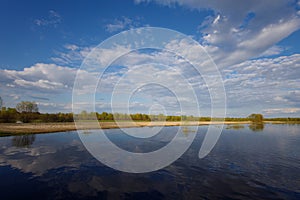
{"x": 32, "y": 128}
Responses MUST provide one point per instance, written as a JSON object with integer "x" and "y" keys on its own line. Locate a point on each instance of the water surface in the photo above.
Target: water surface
{"x": 247, "y": 163}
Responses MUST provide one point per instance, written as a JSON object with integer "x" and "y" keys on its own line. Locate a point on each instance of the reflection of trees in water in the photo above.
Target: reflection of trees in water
{"x": 257, "y": 126}
{"x": 186, "y": 130}
{"x": 235, "y": 126}
{"x": 23, "y": 140}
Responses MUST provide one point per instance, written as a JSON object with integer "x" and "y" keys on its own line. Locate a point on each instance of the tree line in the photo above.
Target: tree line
{"x": 11, "y": 115}
{"x": 27, "y": 111}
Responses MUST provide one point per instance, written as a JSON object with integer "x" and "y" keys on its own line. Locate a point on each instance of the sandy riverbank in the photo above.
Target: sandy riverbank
{"x": 26, "y": 128}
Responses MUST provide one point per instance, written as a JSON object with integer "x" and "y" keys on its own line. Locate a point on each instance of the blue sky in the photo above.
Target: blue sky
{"x": 255, "y": 45}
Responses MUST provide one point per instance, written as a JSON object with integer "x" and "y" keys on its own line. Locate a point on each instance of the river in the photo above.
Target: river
{"x": 246, "y": 163}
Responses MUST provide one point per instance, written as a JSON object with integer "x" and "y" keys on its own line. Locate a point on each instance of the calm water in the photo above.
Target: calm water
{"x": 246, "y": 163}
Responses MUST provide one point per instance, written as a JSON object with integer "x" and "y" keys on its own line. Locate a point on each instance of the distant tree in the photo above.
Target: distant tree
{"x": 136, "y": 116}
{"x": 110, "y": 116}
{"x": 27, "y": 107}
{"x": 28, "y": 111}
{"x": 256, "y": 118}
{"x": 205, "y": 119}
{"x": 118, "y": 116}
{"x": 8, "y": 115}
{"x": 103, "y": 116}
{"x": 183, "y": 117}
{"x": 145, "y": 117}
{"x": 161, "y": 117}
{"x": 191, "y": 118}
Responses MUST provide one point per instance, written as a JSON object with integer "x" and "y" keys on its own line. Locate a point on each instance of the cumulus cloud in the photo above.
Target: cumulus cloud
{"x": 42, "y": 82}
{"x": 43, "y": 77}
{"x": 239, "y": 30}
{"x": 259, "y": 83}
{"x": 264, "y": 84}
{"x": 158, "y": 77}
{"x": 254, "y": 85}
{"x": 234, "y": 32}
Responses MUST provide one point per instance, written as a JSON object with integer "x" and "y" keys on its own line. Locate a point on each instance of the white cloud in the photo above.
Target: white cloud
{"x": 253, "y": 85}
{"x": 239, "y": 30}
{"x": 43, "y": 82}
{"x": 72, "y": 47}
{"x": 53, "y": 19}
{"x": 15, "y": 96}
{"x": 40, "y": 76}
{"x": 164, "y": 72}
{"x": 282, "y": 111}
{"x": 57, "y": 107}
{"x": 272, "y": 51}
{"x": 122, "y": 23}
{"x": 73, "y": 55}
{"x": 10, "y": 85}
{"x": 259, "y": 84}
{"x": 264, "y": 84}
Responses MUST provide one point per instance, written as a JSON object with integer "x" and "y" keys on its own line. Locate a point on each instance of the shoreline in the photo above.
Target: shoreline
{"x": 34, "y": 128}
{"x": 7, "y": 129}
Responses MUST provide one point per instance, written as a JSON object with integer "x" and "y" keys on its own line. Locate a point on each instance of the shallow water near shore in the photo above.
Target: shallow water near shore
{"x": 246, "y": 163}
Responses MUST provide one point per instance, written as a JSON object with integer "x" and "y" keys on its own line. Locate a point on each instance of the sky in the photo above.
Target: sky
{"x": 253, "y": 43}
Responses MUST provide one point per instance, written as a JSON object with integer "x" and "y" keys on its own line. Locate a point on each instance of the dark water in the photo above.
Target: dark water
{"x": 246, "y": 163}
